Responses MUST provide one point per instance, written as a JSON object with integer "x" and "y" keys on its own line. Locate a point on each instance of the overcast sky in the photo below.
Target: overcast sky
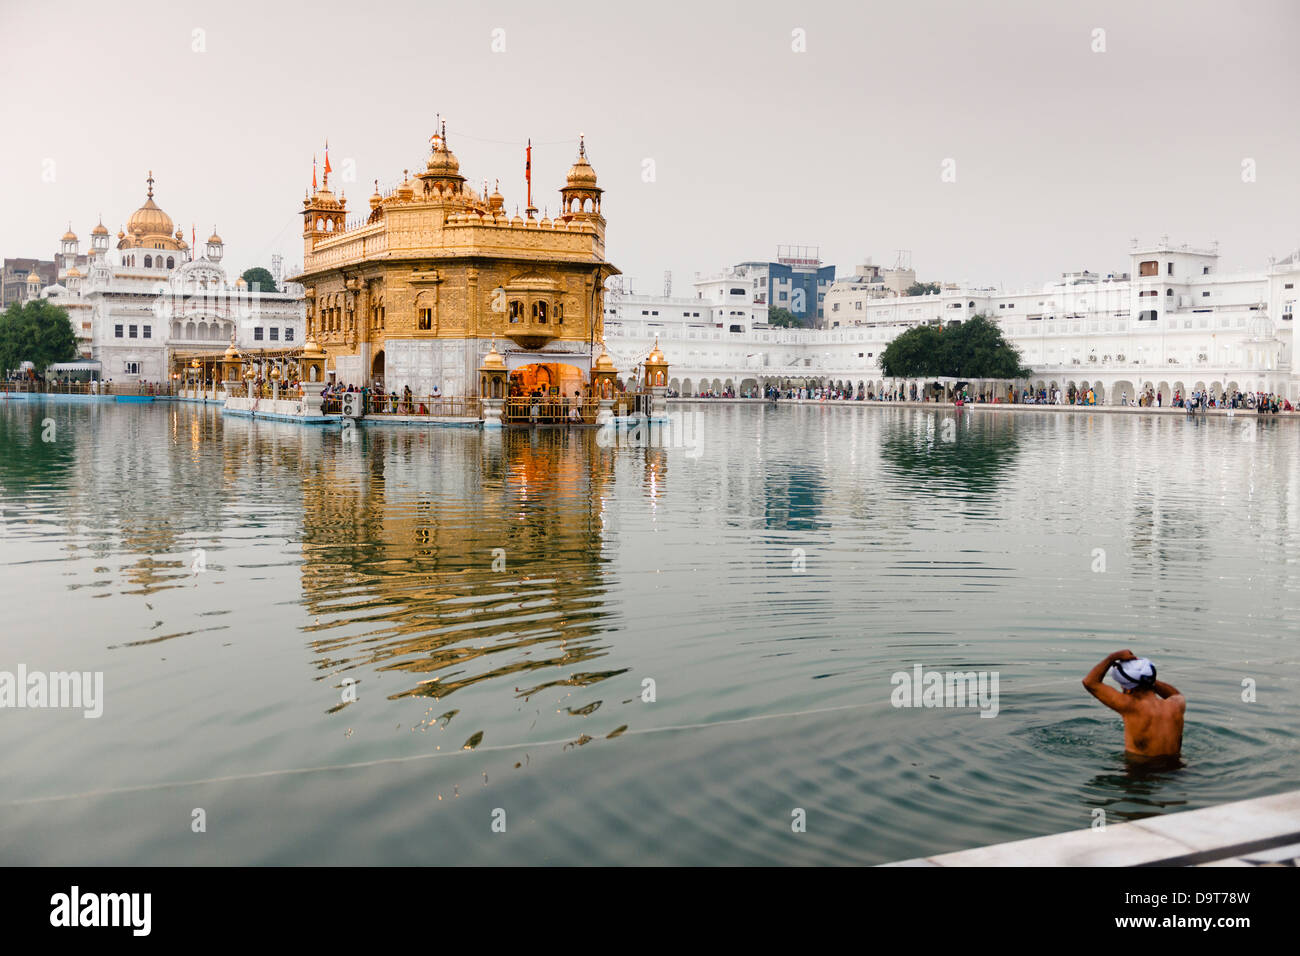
{"x": 1061, "y": 154}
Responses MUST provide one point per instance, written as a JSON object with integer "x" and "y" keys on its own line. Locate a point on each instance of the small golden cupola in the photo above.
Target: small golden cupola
{"x": 323, "y": 214}
{"x": 656, "y": 367}
{"x": 441, "y": 176}
{"x": 376, "y": 205}
{"x": 99, "y": 238}
{"x": 497, "y": 202}
{"x": 580, "y": 197}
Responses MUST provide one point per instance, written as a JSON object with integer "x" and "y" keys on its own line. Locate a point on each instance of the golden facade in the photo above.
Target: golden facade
{"x": 413, "y": 296}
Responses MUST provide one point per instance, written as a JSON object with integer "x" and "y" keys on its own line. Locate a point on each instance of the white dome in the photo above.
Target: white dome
{"x": 198, "y": 274}
{"x": 1260, "y": 327}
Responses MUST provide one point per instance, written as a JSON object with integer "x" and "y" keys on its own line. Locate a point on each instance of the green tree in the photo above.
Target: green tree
{"x": 783, "y": 318}
{"x": 973, "y": 349}
{"x": 36, "y": 332}
{"x": 259, "y": 278}
{"x": 914, "y": 354}
{"x": 922, "y": 288}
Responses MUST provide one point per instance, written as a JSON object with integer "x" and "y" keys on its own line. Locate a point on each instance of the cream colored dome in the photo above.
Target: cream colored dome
{"x": 149, "y": 220}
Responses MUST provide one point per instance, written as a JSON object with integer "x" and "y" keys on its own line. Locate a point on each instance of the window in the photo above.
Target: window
{"x": 1002, "y": 305}
{"x": 1289, "y": 285}
{"x": 1146, "y": 292}
{"x": 131, "y": 368}
{"x": 517, "y": 311}
{"x": 171, "y": 262}
{"x": 1149, "y": 268}
{"x": 539, "y": 312}
{"x": 147, "y": 332}
{"x": 288, "y": 335}
{"x": 148, "y": 262}
{"x": 858, "y": 306}
{"x": 117, "y": 331}
{"x": 1170, "y": 270}
{"x": 781, "y": 297}
{"x": 1169, "y": 291}
{"x": 1011, "y": 305}
{"x": 257, "y": 334}
{"x": 133, "y": 332}
{"x": 1149, "y": 315}
{"x": 275, "y": 334}
{"x": 559, "y": 313}
{"x": 425, "y": 320}
{"x": 1205, "y": 295}
{"x": 737, "y": 291}
{"x": 835, "y": 307}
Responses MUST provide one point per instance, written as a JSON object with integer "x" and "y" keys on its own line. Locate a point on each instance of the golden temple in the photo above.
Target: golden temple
{"x": 413, "y": 295}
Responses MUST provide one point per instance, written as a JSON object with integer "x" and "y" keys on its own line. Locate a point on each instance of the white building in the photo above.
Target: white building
{"x": 149, "y": 296}
{"x": 1171, "y": 324}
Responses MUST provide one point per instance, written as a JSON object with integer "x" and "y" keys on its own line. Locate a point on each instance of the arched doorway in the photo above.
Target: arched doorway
{"x": 377, "y": 371}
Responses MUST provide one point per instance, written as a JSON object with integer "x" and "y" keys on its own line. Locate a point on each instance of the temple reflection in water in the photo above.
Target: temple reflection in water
{"x": 482, "y": 561}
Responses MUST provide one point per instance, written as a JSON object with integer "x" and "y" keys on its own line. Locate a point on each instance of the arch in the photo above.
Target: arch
{"x": 171, "y": 262}
{"x": 148, "y": 262}
{"x": 377, "y": 367}
{"x": 687, "y": 388}
{"x": 1164, "y": 393}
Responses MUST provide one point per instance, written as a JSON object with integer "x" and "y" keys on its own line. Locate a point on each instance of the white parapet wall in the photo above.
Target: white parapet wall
{"x": 1248, "y": 832}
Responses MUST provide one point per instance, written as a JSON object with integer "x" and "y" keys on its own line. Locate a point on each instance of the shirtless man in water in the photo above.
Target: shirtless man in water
{"x": 1152, "y": 710}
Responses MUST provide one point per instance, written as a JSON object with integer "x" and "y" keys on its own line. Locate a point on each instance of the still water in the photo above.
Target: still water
{"x": 387, "y": 650}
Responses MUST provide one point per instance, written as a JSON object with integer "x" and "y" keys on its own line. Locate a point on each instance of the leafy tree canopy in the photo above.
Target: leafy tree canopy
{"x": 259, "y": 278}
{"x": 37, "y": 332}
{"x": 922, "y": 288}
{"x": 783, "y": 318}
{"x": 974, "y": 349}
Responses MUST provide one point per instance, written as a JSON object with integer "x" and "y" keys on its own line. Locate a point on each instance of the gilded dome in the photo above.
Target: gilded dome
{"x": 149, "y": 220}
{"x": 603, "y": 362}
{"x": 99, "y": 230}
{"x": 580, "y": 173}
{"x": 493, "y": 359}
{"x": 214, "y": 237}
{"x": 69, "y": 236}
{"x": 442, "y": 161}
{"x": 33, "y": 278}
{"x": 656, "y": 357}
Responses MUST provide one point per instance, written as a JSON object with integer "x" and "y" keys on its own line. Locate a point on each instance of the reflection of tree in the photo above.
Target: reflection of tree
{"x": 472, "y": 567}
{"x": 965, "y": 449}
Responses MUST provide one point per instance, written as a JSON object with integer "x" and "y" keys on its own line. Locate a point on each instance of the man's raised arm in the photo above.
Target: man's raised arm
{"x": 1094, "y": 685}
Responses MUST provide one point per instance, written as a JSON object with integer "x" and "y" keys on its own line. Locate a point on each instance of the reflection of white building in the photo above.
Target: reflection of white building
{"x": 1172, "y": 323}
{"x": 132, "y": 305}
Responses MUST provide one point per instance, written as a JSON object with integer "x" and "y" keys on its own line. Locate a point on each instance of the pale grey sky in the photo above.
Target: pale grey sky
{"x": 1061, "y": 153}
